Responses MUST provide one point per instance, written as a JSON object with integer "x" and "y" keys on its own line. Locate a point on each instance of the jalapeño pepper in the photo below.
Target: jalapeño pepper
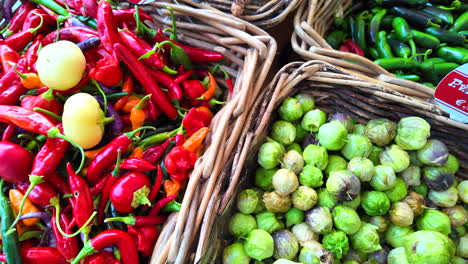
{"x": 394, "y": 64}
{"x": 409, "y": 77}
{"x": 451, "y": 38}
{"x": 444, "y": 68}
{"x": 387, "y": 21}
{"x": 401, "y": 2}
{"x": 374, "y": 26}
{"x": 428, "y": 71}
{"x": 461, "y": 23}
{"x": 399, "y": 48}
{"x": 453, "y": 54}
{"x": 415, "y": 18}
{"x": 360, "y": 32}
{"x": 425, "y": 40}
{"x": 402, "y": 29}
{"x": 436, "y": 60}
{"x": 335, "y": 38}
{"x": 428, "y": 84}
{"x": 374, "y": 53}
{"x": 445, "y": 15}
{"x": 382, "y": 45}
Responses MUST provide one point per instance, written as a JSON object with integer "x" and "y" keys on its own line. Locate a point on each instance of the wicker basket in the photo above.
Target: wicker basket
{"x": 262, "y": 13}
{"x": 249, "y": 53}
{"x": 334, "y": 90}
{"x": 312, "y": 21}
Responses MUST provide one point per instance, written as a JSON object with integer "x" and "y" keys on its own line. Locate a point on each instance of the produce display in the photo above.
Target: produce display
{"x": 420, "y": 40}
{"x": 102, "y": 120}
{"x": 330, "y": 190}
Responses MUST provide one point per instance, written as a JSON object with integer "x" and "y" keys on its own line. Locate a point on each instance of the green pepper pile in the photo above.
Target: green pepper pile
{"x": 417, "y": 40}
{"x": 328, "y": 190}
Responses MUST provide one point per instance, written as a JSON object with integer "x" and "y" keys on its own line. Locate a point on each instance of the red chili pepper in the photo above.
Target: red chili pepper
{"x": 122, "y": 240}
{"x": 160, "y": 205}
{"x": 127, "y": 16}
{"x": 8, "y": 132}
{"x": 138, "y": 221}
{"x": 20, "y": 40}
{"x": 73, "y": 34}
{"x": 105, "y": 194}
{"x": 32, "y": 52}
{"x": 45, "y": 101}
{"x": 195, "y": 54}
{"x": 9, "y": 57}
{"x": 153, "y": 154}
{"x": 34, "y": 19}
{"x": 145, "y": 237}
{"x": 57, "y": 182}
{"x": 157, "y": 185}
{"x": 16, "y": 162}
{"x": 166, "y": 80}
{"x": 90, "y": 7}
{"x": 183, "y": 77}
{"x": 101, "y": 257}
{"x": 140, "y": 47}
{"x": 351, "y": 46}
{"x": 193, "y": 88}
{"x": 195, "y": 119}
{"x": 179, "y": 161}
{"x": 143, "y": 75}
{"x": 108, "y": 155}
{"x": 67, "y": 246}
{"x": 83, "y": 201}
{"x": 99, "y": 186}
{"x": 152, "y": 112}
{"x": 42, "y": 194}
{"x": 107, "y": 26}
{"x": 107, "y": 71}
{"x": 179, "y": 139}
{"x": 135, "y": 164}
{"x": 11, "y": 87}
{"x": 17, "y": 21}
{"x": 49, "y": 157}
{"x": 35, "y": 255}
{"x": 130, "y": 191}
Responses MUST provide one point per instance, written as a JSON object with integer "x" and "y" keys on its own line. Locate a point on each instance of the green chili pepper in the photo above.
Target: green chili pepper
{"x": 374, "y": 53}
{"x": 463, "y": 33}
{"x": 425, "y": 40}
{"x": 445, "y": 15}
{"x": 401, "y": 2}
{"x": 436, "y": 60}
{"x": 374, "y": 25}
{"x": 341, "y": 24}
{"x": 394, "y": 64}
{"x": 360, "y": 31}
{"x": 444, "y": 68}
{"x": 351, "y": 27}
{"x": 172, "y": 206}
{"x": 410, "y": 77}
{"x": 428, "y": 71}
{"x": 158, "y": 138}
{"x": 461, "y": 23}
{"x": 178, "y": 55}
{"x": 402, "y": 29}
{"x": 399, "y": 48}
{"x": 11, "y": 245}
{"x": 387, "y": 21}
{"x": 430, "y": 85}
{"x": 335, "y": 38}
{"x": 382, "y": 45}
{"x": 451, "y": 38}
{"x": 453, "y": 54}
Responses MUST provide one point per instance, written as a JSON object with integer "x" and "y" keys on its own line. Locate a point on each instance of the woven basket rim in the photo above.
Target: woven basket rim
{"x": 308, "y": 42}
{"x": 249, "y": 53}
{"x": 265, "y": 16}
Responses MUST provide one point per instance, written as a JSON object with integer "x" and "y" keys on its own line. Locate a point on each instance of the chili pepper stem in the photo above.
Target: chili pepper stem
{"x": 108, "y": 120}
{"x": 95, "y": 83}
{"x": 34, "y": 180}
{"x": 21, "y": 75}
{"x": 173, "y": 35}
{"x": 116, "y": 170}
{"x": 87, "y": 249}
{"x": 129, "y": 220}
{"x": 142, "y": 100}
{"x": 47, "y": 112}
{"x": 34, "y": 30}
{"x": 132, "y": 133}
{"x": 55, "y": 133}
{"x": 84, "y": 229}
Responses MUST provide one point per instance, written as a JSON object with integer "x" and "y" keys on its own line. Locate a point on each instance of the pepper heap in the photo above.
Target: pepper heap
{"x": 88, "y": 76}
{"x": 417, "y": 40}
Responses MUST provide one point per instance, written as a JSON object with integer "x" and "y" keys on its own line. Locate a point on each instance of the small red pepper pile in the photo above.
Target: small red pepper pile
{"x": 158, "y": 98}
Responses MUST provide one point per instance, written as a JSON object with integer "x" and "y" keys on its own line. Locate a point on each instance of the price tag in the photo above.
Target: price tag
{"x": 452, "y": 94}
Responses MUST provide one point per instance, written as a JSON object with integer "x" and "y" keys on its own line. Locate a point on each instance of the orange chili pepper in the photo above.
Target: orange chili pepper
{"x": 206, "y": 110}
{"x": 132, "y": 101}
{"x": 29, "y": 80}
{"x": 15, "y": 197}
{"x": 137, "y": 115}
{"x": 196, "y": 139}
{"x": 137, "y": 153}
{"x": 127, "y": 86}
{"x": 211, "y": 89}
{"x": 172, "y": 187}
{"x": 91, "y": 154}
